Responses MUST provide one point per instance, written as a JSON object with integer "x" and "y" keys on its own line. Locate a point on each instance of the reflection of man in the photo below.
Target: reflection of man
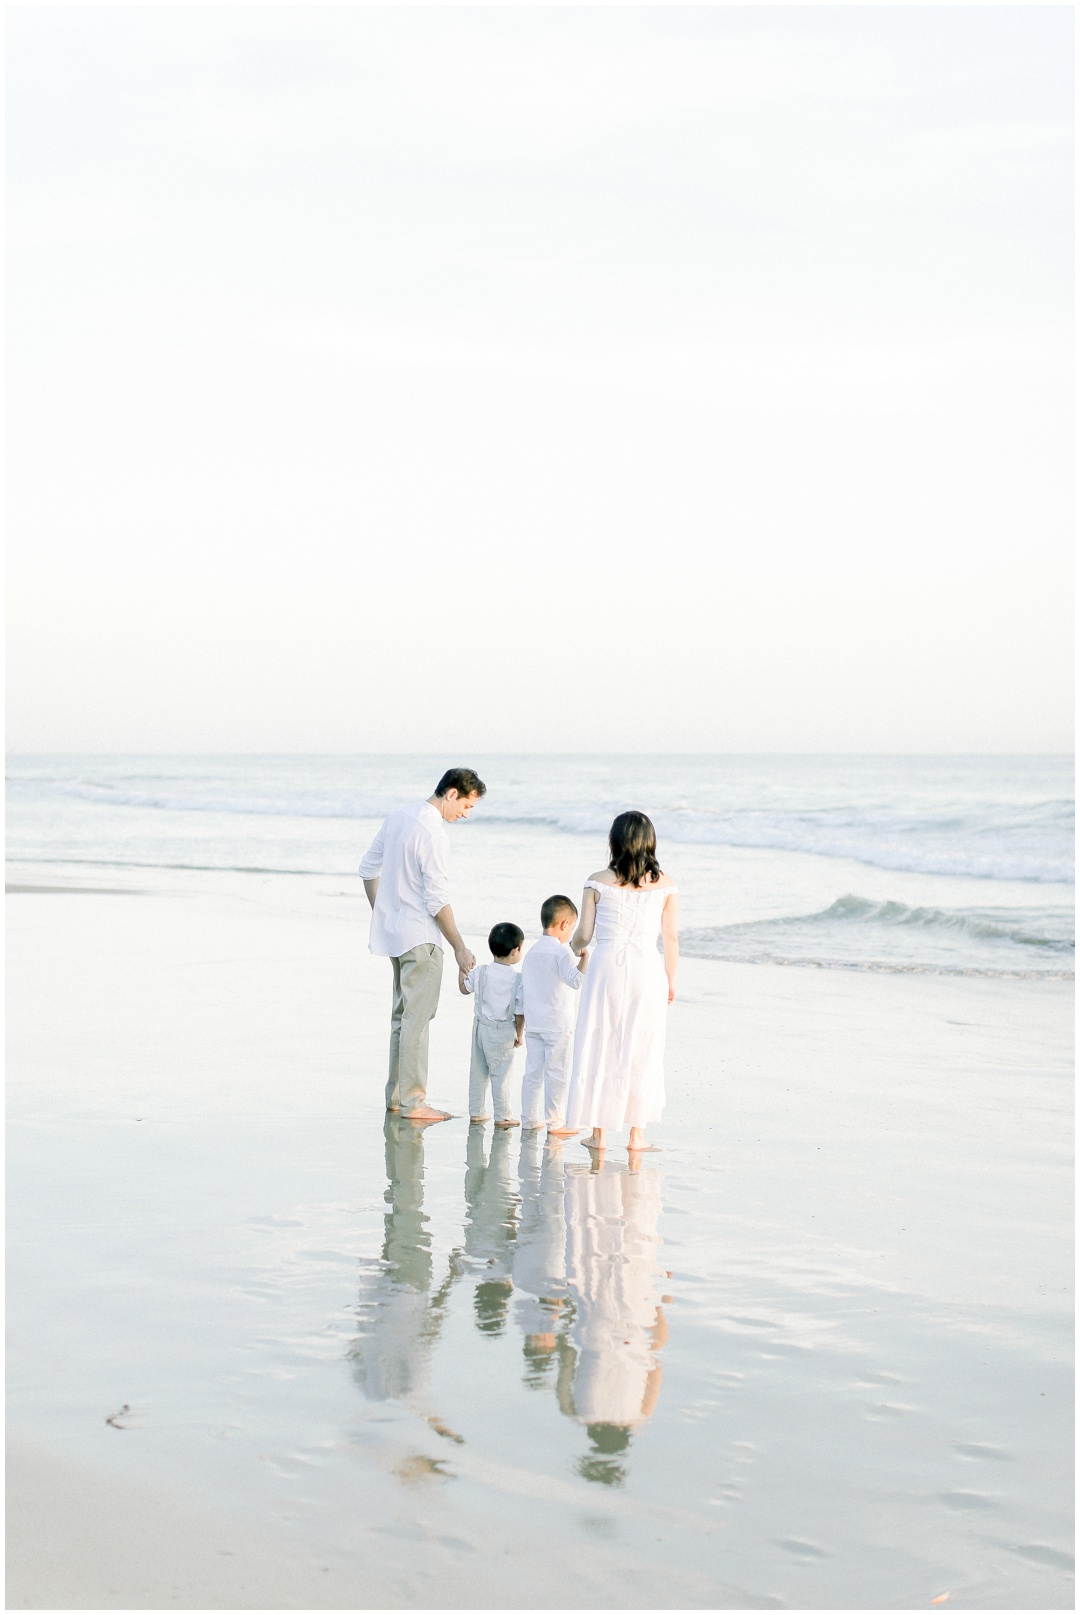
{"x": 399, "y": 1318}
{"x": 406, "y": 878}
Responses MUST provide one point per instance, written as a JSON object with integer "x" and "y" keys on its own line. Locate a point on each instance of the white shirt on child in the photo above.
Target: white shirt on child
{"x": 550, "y": 977}
{"x": 499, "y": 996}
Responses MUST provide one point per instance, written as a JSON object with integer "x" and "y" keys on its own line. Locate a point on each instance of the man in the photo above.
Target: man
{"x": 406, "y": 879}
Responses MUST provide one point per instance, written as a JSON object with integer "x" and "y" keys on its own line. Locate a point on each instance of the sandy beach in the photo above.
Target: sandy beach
{"x": 860, "y": 1225}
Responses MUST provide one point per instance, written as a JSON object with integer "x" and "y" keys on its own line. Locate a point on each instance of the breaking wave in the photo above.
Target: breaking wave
{"x": 857, "y": 933}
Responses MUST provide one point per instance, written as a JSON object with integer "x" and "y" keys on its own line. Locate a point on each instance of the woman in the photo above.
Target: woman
{"x": 618, "y": 1073}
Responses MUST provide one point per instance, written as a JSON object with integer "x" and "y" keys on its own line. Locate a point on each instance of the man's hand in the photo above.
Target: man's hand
{"x": 444, "y": 919}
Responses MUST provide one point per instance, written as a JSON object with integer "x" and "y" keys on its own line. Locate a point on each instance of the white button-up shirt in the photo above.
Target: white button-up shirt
{"x": 498, "y": 991}
{"x": 549, "y": 979}
{"x": 410, "y": 855}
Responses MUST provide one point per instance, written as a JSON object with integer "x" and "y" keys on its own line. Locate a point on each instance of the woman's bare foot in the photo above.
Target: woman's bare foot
{"x": 637, "y": 1142}
{"x": 596, "y": 1140}
{"x": 427, "y": 1113}
{"x": 562, "y": 1132}
{"x": 507, "y": 1124}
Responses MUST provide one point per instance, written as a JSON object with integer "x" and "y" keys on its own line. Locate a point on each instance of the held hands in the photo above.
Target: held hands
{"x": 465, "y": 960}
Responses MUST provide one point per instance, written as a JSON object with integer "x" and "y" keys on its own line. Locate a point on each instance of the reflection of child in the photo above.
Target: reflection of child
{"x": 539, "y": 1271}
{"x": 550, "y": 978}
{"x": 490, "y": 1222}
{"x": 497, "y": 1024}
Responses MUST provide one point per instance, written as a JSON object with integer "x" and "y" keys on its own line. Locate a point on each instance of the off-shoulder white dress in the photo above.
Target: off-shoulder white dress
{"x": 618, "y": 1074}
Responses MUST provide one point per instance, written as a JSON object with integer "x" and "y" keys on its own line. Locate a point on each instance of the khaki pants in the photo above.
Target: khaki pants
{"x": 417, "y": 979}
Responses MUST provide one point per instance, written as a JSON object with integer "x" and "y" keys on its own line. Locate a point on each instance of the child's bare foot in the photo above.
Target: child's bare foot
{"x": 507, "y": 1124}
{"x": 562, "y": 1132}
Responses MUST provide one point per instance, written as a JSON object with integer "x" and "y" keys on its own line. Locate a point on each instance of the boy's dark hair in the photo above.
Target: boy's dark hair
{"x": 554, "y": 908}
{"x": 465, "y": 781}
{"x": 504, "y": 938}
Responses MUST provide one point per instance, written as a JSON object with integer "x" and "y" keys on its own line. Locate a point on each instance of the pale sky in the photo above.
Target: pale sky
{"x": 528, "y": 378}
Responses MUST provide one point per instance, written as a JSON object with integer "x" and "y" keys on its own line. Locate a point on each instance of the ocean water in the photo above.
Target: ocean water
{"x": 813, "y": 1353}
{"x": 938, "y": 864}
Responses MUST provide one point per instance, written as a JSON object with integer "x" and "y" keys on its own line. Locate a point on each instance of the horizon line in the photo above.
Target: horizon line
{"x": 591, "y": 752}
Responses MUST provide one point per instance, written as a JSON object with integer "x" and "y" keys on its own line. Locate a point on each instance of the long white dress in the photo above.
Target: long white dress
{"x": 611, "y": 1270}
{"x": 618, "y": 1075}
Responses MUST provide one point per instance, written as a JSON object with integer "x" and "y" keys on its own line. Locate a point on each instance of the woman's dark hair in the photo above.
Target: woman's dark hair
{"x": 462, "y": 780}
{"x": 632, "y": 840}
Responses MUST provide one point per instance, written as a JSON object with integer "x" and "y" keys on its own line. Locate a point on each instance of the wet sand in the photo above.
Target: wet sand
{"x": 816, "y": 1354}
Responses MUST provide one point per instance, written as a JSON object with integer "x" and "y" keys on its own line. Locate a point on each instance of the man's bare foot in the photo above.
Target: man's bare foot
{"x": 562, "y": 1132}
{"x": 507, "y": 1124}
{"x": 427, "y": 1114}
{"x": 475, "y": 1119}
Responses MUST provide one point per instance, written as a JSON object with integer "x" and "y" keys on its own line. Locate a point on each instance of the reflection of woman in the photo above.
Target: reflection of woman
{"x": 618, "y": 1324}
{"x": 618, "y": 1074}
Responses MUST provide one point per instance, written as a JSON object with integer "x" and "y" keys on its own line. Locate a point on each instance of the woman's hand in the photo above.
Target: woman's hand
{"x": 671, "y": 992}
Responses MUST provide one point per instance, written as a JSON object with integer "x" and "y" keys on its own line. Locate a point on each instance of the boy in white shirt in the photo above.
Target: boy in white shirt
{"x": 550, "y": 979}
{"x": 497, "y": 1024}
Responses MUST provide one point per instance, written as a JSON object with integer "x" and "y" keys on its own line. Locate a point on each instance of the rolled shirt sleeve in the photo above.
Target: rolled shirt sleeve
{"x": 568, "y": 969}
{"x": 371, "y": 862}
{"x": 435, "y": 873}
